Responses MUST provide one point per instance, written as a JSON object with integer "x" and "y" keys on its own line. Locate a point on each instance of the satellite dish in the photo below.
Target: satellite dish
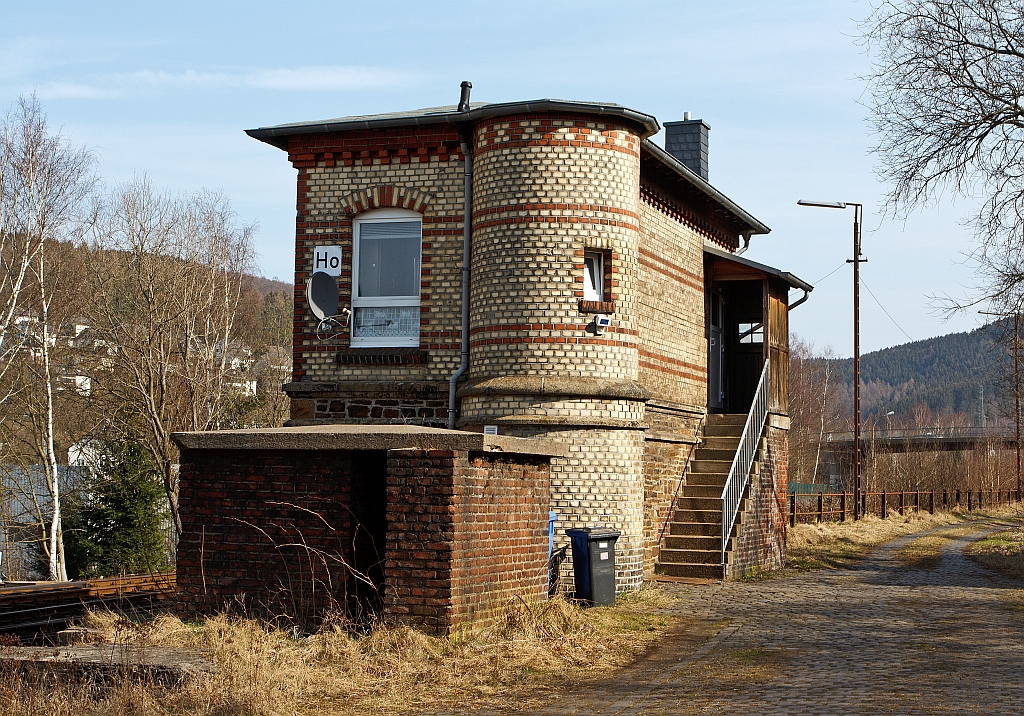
{"x": 322, "y": 295}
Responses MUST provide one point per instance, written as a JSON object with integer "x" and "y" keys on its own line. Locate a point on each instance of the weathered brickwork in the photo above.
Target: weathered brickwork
{"x": 762, "y": 538}
{"x": 665, "y": 470}
{"x": 546, "y": 188}
{"x": 252, "y": 520}
{"x": 448, "y": 537}
{"x": 599, "y": 484}
{"x": 511, "y": 410}
{"x": 466, "y": 533}
{"x": 673, "y": 344}
{"x": 342, "y": 176}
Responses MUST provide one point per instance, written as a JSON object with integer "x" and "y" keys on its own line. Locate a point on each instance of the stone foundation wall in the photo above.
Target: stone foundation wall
{"x": 369, "y": 404}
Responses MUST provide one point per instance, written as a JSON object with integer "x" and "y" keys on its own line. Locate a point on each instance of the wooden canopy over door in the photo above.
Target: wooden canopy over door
{"x": 751, "y": 295}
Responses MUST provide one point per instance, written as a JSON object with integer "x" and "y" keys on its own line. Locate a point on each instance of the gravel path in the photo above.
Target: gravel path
{"x": 880, "y": 638}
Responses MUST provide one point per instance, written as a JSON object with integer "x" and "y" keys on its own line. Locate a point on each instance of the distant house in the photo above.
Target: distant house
{"x": 609, "y": 308}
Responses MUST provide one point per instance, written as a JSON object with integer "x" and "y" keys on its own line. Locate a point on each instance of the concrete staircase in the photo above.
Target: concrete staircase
{"x": 692, "y": 543}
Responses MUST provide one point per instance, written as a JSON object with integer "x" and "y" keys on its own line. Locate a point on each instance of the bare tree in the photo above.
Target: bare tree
{"x": 946, "y": 96}
{"x": 44, "y": 184}
{"x": 815, "y": 406}
{"x": 167, "y": 276}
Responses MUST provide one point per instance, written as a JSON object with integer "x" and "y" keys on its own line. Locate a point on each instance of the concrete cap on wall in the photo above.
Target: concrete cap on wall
{"x": 366, "y": 437}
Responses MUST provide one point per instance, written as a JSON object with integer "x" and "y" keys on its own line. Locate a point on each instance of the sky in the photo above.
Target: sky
{"x": 166, "y": 90}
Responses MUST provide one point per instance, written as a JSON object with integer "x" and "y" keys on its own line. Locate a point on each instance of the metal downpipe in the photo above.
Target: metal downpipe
{"x": 467, "y": 233}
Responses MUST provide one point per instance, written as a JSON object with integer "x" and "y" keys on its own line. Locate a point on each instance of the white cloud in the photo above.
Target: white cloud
{"x": 324, "y": 78}
{"x": 73, "y": 90}
{"x": 298, "y": 79}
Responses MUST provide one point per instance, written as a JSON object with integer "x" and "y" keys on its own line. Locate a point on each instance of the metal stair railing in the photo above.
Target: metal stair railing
{"x": 739, "y": 471}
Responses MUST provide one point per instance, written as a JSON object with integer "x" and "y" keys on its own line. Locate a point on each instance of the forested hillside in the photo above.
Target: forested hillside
{"x": 954, "y": 373}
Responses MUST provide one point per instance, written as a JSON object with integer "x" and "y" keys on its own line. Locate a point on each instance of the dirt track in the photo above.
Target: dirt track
{"x": 881, "y": 638}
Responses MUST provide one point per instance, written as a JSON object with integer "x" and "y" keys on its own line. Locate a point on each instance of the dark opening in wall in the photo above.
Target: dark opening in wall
{"x": 369, "y": 530}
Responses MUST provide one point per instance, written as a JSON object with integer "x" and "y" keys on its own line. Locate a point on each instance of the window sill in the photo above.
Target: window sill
{"x": 605, "y": 307}
{"x": 381, "y": 356}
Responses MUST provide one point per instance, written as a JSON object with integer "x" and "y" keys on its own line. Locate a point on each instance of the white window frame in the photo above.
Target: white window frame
{"x": 751, "y": 332}
{"x": 599, "y": 288}
{"x": 375, "y": 217}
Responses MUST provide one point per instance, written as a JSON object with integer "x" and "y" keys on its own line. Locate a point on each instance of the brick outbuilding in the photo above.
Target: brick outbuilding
{"x": 609, "y": 310}
{"x": 435, "y": 528}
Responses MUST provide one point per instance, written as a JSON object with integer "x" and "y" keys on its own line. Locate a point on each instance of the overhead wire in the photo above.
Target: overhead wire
{"x": 872, "y": 293}
{"x": 873, "y": 296}
{"x": 829, "y": 273}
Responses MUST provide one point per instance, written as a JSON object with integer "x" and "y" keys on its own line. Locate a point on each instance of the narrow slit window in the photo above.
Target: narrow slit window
{"x": 593, "y": 276}
{"x": 751, "y": 332}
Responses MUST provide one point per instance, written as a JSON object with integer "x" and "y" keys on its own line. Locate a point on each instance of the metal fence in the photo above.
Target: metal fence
{"x": 838, "y": 506}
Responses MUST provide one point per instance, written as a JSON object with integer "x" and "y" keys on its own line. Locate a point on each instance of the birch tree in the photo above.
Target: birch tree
{"x": 45, "y": 182}
{"x": 815, "y": 406}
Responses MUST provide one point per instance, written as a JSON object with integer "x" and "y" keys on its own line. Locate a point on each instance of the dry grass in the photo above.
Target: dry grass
{"x": 1002, "y": 552}
{"x": 926, "y": 552}
{"x": 839, "y": 544}
{"x": 531, "y": 652}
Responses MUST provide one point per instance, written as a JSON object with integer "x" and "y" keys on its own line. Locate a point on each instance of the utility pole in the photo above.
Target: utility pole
{"x": 858, "y": 215}
{"x": 856, "y": 261}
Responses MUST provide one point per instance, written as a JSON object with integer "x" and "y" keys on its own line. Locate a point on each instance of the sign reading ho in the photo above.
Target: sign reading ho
{"x": 327, "y": 259}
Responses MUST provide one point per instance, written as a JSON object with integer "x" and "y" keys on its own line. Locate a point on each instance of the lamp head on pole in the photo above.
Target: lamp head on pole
{"x": 823, "y": 204}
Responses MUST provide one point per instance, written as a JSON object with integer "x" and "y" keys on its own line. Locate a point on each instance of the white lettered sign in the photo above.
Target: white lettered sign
{"x": 327, "y": 259}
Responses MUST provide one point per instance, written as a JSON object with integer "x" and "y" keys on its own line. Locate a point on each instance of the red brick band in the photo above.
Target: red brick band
{"x": 513, "y": 327}
{"x": 670, "y": 371}
{"x": 677, "y": 273}
{"x": 673, "y": 361}
{"x": 602, "y": 208}
{"x": 550, "y": 340}
{"x": 513, "y": 220}
{"x": 516, "y": 144}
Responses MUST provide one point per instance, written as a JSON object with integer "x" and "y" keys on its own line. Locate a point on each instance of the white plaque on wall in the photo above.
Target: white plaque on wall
{"x": 327, "y": 259}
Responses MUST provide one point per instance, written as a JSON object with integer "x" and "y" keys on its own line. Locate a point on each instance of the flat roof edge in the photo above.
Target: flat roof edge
{"x": 366, "y": 437}
{"x": 277, "y": 135}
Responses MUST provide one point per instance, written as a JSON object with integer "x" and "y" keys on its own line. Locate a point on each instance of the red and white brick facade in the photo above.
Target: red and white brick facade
{"x": 548, "y": 186}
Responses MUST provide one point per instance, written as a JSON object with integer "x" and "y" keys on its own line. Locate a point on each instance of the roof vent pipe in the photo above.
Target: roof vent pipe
{"x": 687, "y": 116}
{"x": 464, "y": 99}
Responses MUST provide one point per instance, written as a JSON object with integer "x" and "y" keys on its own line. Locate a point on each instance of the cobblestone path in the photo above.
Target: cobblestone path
{"x": 880, "y": 638}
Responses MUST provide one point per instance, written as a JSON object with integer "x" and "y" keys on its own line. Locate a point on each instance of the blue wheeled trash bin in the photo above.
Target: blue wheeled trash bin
{"x": 593, "y": 564}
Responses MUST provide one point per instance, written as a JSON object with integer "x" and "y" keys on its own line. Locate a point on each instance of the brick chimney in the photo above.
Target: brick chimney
{"x": 687, "y": 141}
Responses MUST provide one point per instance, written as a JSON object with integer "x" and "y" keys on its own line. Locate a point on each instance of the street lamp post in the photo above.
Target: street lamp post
{"x": 858, "y": 212}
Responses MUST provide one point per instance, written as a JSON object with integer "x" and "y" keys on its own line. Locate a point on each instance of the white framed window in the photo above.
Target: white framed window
{"x": 593, "y": 276}
{"x": 751, "y": 332}
{"x": 387, "y": 244}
